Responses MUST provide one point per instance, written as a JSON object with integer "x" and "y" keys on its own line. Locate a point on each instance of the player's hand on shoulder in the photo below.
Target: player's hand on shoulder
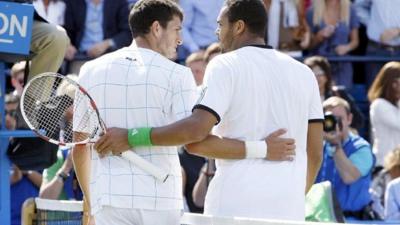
{"x": 115, "y": 140}
{"x": 280, "y": 148}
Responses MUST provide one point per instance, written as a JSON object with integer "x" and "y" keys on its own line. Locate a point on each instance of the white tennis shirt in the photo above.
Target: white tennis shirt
{"x": 137, "y": 87}
{"x": 254, "y": 91}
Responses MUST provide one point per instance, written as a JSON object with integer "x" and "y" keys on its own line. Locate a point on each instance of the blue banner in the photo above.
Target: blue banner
{"x": 16, "y": 22}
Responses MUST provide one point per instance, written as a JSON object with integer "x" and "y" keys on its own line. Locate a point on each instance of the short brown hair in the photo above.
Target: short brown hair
{"x": 381, "y": 87}
{"x": 145, "y": 12}
{"x": 335, "y": 101}
{"x": 324, "y": 64}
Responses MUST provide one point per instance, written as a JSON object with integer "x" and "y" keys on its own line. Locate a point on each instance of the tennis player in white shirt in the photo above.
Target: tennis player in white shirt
{"x": 250, "y": 92}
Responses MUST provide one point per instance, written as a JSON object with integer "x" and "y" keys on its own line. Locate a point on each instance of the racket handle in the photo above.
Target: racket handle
{"x": 145, "y": 165}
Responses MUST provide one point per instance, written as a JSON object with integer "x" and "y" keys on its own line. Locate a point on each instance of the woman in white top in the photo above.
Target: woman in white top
{"x": 51, "y": 10}
{"x": 384, "y": 96}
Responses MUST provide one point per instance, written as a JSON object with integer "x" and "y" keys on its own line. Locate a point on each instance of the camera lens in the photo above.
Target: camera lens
{"x": 330, "y": 122}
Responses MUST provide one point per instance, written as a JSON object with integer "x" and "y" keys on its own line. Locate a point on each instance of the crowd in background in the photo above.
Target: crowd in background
{"x": 313, "y": 31}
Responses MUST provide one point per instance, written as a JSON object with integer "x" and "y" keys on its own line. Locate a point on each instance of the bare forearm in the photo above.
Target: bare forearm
{"x": 313, "y": 166}
{"x": 218, "y": 147}
{"x": 200, "y": 190}
{"x": 82, "y": 163}
{"x": 347, "y": 171}
{"x": 314, "y": 153}
{"x": 195, "y": 128}
{"x": 51, "y": 190}
{"x": 34, "y": 177}
{"x": 354, "y": 40}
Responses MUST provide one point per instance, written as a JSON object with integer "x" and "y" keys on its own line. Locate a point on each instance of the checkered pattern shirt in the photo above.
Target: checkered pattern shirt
{"x": 137, "y": 87}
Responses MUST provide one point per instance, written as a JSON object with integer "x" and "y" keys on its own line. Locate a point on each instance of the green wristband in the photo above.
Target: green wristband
{"x": 139, "y": 137}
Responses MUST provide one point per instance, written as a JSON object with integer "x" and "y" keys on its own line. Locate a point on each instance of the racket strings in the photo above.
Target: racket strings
{"x": 86, "y": 119}
{"x": 50, "y": 111}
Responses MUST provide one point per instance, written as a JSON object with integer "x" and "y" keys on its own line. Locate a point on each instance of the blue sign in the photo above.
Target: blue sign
{"x": 15, "y": 27}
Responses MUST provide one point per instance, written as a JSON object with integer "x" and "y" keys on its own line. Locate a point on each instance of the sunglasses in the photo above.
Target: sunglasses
{"x": 12, "y": 112}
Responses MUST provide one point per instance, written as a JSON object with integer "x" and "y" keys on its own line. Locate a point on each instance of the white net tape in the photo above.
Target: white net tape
{"x": 193, "y": 218}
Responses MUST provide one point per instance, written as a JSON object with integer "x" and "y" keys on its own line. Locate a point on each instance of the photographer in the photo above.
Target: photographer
{"x": 347, "y": 161}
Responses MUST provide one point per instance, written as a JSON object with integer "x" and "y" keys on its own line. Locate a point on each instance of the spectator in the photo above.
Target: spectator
{"x": 191, "y": 166}
{"x": 390, "y": 172}
{"x": 48, "y": 42}
{"x": 334, "y": 26}
{"x": 287, "y": 28}
{"x": 199, "y": 25}
{"x": 200, "y": 188}
{"x": 347, "y": 162}
{"x": 392, "y": 198}
{"x": 59, "y": 180}
{"x": 322, "y": 70}
{"x": 51, "y": 10}
{"x": 197, "y": 64}
{"x": 24, "y": 185}
{"x": 95, "y": 27}
{"x": 17, "y": 77}
{"x": 382, "y": 20}
{"x": 11, "y": 105}
{"x": 384, "y": 96}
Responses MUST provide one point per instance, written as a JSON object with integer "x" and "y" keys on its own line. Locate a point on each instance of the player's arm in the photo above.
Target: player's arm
{"x": 273, "y": 148}
{"x": 194, "y": 132}
{"x": 314, "y": 152}
{"x": 82, "y": 162}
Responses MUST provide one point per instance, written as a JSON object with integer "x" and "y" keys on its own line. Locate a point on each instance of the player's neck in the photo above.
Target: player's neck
{"x": 250, "y": 41}
{"x": 142, "y": 42}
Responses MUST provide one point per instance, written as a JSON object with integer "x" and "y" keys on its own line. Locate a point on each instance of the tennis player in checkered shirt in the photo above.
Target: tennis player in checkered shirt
{"x": 141, "y": 88}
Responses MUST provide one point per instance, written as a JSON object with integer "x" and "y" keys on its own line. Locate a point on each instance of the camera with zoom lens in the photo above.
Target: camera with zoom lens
{"x": 331, "y": 121}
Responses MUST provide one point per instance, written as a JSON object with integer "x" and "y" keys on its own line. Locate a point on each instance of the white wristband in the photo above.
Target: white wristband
{"x": 256, "y": 149}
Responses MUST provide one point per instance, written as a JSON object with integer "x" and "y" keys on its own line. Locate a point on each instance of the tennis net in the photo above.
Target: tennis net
{"x": 57, "y": 212}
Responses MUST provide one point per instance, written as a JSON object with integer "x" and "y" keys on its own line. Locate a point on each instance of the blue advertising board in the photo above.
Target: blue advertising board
{"x": 15, "y": 27}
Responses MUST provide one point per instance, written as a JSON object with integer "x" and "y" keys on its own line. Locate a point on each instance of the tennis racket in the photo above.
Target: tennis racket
{"x": 54, "y": 105}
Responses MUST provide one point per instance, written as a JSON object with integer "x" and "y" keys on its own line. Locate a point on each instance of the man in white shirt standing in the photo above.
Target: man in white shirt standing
{"x": 249, "y": 92}
{"x": 138, "y": 86}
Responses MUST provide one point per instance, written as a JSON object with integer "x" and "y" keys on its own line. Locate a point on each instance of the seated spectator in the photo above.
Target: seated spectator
{"x": 287, "y": 29}
{"x": 11, "y": 104}
{"x": 384, "y": 96}
{"x": 199, "y": 25}
{"x": 95, "y": 27}
{"x": 51, "y": 10}
{"x": 347, "y": 163}
{"x": 17, "y": 77}
{"x": 322, "y": 70}
{"x": 59, "y": 180}
{"x": 392, "y": 197}
{"x": 24, "y": 184}
{"x": 48, "y": 41}
{"x": 334, "y": 26}
{"x": 392, "y": 200}
{"x": 382, "y": 20}
{"x": 197, "y": 64}
{"x": 390, "y": 171}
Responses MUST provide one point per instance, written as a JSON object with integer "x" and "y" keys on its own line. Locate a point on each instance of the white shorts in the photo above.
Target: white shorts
{"x": 120, "y": 216}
